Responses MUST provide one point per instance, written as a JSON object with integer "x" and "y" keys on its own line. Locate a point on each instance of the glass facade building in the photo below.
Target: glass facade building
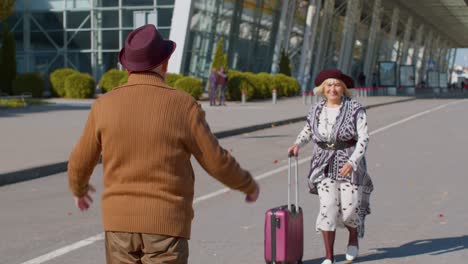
{"x": 82, "y": 34}
{"x": 248, "y": 29}
{"x": 352, "y": 35}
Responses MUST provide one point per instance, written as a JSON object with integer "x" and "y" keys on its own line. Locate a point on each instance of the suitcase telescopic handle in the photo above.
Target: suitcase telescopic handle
{"x": 289, "y": 182}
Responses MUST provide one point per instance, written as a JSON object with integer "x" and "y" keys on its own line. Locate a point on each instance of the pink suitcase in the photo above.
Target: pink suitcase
{"x": 284, "y": 236}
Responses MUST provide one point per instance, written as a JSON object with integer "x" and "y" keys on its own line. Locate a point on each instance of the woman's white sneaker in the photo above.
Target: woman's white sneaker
{"x": 327, "y": 261}
{"x": 352, "y": 252}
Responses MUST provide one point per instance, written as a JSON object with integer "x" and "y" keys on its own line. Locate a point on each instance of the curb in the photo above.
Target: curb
{"x": 47, "y": 170}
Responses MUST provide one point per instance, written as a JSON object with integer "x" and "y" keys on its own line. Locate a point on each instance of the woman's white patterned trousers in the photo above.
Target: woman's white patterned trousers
{"x": 339, "y": 203}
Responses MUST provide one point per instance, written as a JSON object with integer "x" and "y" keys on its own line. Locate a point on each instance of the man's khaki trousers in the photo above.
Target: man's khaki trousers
{"x": 132, "y": 248}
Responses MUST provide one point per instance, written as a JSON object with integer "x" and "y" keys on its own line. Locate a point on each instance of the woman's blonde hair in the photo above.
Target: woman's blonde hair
{"x": 319, "y": 89}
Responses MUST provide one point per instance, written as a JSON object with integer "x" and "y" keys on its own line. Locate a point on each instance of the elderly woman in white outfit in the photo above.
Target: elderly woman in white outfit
{"x": 338, "y": 174}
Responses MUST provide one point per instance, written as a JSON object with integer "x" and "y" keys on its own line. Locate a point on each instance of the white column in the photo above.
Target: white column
{"x": 393, "y": 31}
{"x": 65, "y": 37}
{"x": 180, "y": 30}
{"x": 353, "y": 14}
{"x": 416, "y": 46}
{"x": 406, "y": 41}
{"x": 290, "y": 24}
{"x": 121, "y": 40}
{"x": 279, "y": 38}
{"x": 424, "y": 54}
{"x": 313, "y": 12}
{"x": 371, "y": 43}
{"x": 324, "y": 36}
{"x": 452, "y": 64}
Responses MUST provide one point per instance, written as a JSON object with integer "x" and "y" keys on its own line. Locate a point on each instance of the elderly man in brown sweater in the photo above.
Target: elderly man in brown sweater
{"x": 146, "y": 132}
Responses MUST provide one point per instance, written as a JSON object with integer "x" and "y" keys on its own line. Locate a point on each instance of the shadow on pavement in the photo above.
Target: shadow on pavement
{"x": 433, "y": 247}
{"x": 12, "y": 112}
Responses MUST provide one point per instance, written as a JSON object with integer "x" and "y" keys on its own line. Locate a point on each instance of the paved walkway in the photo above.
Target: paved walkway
{"x": 41, "y": 135}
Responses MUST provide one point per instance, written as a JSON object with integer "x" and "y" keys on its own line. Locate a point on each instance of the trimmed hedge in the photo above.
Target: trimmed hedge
{"x": 191, "y": 85}
{"x": 260, "y": 86}
{"x": 172, "y": 78}
{"x": 79, "y": 85}
{"x": 32, "y": 83}
{"x": 111, "y": 79}
{"x": 236, "y": 82}
{"x": 57, "y": 80}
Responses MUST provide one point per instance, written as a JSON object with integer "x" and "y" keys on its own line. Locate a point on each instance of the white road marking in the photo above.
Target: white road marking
{"x": 66, "y": 249}
{"x": 88, "y": 241}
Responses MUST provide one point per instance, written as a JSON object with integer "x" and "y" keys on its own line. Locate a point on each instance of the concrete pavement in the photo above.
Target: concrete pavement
{"x": 37, "y": 140}
{"x": 418, "y": 207}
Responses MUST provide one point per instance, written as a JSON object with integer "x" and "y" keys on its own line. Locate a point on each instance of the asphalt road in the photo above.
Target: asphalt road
{"x": 416, "y": 158}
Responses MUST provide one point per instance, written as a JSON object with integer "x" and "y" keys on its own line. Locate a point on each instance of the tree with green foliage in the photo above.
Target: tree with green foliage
{"x": 6, "y": 8}
{"x": 220, "y": 58}
{"x": 8, "y": 61}
{"x": 285, "y": 64}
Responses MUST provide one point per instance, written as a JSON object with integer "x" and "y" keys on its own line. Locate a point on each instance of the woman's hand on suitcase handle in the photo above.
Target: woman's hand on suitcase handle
{"x": 251, "y": 198}
{"x": 293, "y": 150}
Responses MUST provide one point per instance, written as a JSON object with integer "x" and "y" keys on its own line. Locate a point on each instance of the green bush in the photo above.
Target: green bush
{"x": 280, "y": 82}
{"x": 293, "y": 86}
{"x": 79, "y": 85}
{"x": 32, "y": 83}
{"x": 111, "y": 79}
{"x": 57, "y": 80}
{"x": 266, "y": 81}
{"x": 236, "y": 82}
{"x": 191, "y": 85}
{"x": 172, "y": 78}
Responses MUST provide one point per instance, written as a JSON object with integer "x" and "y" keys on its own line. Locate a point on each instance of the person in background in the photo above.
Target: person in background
{"x": 338, "y": 174}
{"x": 213, "y": 86}
{"x": 146, "y": 132}
{"x": 362, "y": 79}
{"x": 222, "y": 83}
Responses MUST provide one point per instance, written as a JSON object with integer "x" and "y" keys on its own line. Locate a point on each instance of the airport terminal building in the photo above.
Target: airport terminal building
{"x": 375, "y": 38}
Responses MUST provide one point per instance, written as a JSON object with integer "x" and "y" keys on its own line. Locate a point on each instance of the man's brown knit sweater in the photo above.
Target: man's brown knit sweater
{"x": 146, "y": 132}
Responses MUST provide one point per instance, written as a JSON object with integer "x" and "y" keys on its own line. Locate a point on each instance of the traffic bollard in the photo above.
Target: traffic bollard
{"x": 273, "y": 95}
{"x": 243, "y": 96}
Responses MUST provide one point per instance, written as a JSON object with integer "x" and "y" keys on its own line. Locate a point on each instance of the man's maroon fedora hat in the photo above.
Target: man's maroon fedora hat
{"x": 145, "y": 49}
{"x": 335, "y": 74}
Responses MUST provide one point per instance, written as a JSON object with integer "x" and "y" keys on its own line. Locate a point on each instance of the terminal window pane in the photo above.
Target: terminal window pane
{"x": 57, "y": 37}
{"x": 138, "y": 2}
{"x": 57, "y": 64}
{"x": 74, "y": 19}
{"x": 82, "y": 40}
{"x": 19, "y": 40}
{"x": 110, "y": 60}
{"x": 125, "y": 34}
{"x": 12, "y": 20}
{"x": 107, "y": 3}
{"x": 49, "y": 20}
{"x": 164, "y": 32}
{"x": 41, "y": 62}
{"x": 165, "y": 2}
{"x": 127, "y": 18}
{"x": 110, "y": 39}
{"x": 110, "y": 19}
{"x": 40, "y": 42}
{"x": 80, "y": 60}
{"x": 164, "y": 17}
